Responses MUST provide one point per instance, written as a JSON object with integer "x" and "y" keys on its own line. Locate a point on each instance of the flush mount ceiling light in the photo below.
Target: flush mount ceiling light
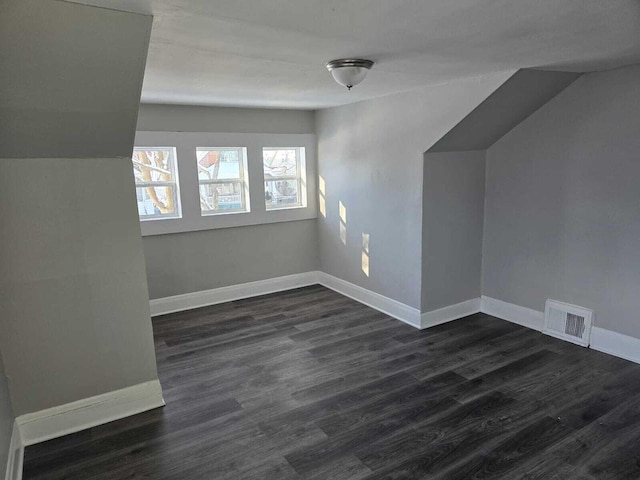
{"x": 349, "y": 71}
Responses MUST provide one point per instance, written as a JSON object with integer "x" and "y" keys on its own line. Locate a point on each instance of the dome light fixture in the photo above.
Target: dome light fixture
{"x": 349, "y": 71}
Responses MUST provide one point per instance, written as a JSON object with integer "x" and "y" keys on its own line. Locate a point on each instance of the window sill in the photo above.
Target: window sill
{"x": 227, "y": 220}
{"x": 222, "y": 214}
{"x": 276, "y": 209}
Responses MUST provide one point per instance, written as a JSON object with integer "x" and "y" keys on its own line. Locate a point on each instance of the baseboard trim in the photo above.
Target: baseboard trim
{"x": 393, "y": 308}
{"x": 73, "y": 417}
{"x": 188, "y": 301}
{"x": 512, "y": 313}
{"x": 602, "y": 340}
{"x": 614, "y": 343}
{"x": 16, "y": 455}
{"x": 450, "y": 313}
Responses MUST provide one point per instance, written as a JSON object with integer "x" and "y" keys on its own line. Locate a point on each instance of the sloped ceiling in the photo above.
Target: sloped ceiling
{"x": 521, "y": 95}
{"x": 272, "y": 53}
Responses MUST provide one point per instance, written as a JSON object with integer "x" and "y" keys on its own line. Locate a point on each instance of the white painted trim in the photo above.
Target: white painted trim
{"x": 188, "y": 301}
{"x": 398, "y": 310}
{"x": 602, "y": 340}
{"x": 586, "y": 313}
{"x": 72, "y": 417}
{"x": 192, "y": 220}
{"x": 450, "y": 313}
{"x": 513, "y": 313}
{"x": 14, "y": 469}
{"x": 616, "y": 344}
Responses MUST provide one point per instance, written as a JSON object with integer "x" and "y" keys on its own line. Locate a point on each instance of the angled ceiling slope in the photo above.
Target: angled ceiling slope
{"x": 516, "y": 99}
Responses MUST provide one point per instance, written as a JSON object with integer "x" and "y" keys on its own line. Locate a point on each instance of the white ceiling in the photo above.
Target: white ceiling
{"x": 271, "y": 53}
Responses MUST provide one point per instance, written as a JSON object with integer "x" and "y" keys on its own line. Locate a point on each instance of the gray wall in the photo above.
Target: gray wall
{"x": 74, "y": 94}
{"x": 452, "y": 222}
{"x": 195, "y": 261}
{"x": 370, "y": 155}
{"x": 562, "y": 215}
{"x": 6, "y": 419}
{"x": 74, "y": 316}
{"x": 183, "y": 118}
{"x": 75, "y": 308}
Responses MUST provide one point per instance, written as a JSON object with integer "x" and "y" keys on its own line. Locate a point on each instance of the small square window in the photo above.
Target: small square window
{"x": 156, "y": 177}
{"x": 222, "y": 177}
{"x": 284, "y": 178}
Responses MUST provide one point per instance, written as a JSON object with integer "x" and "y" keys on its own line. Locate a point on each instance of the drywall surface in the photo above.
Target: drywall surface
{"x": 515, "y": 100}
{"x": 69, "y": 79}
{"x": 6, "y": 419}
{"x": 195, "y": 261}
{"x": 183, "y": 118}
{"x": 75, "y": 300}
{"x": 201, "y": 260}
{"x": 562, "y": 216}
{"x": 452, "y": 222}
{"x": 370, "y": 157}
{"x": 74, "y": 315}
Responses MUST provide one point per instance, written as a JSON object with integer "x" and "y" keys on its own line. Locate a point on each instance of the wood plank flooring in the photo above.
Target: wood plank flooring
{"x": 308, "y": 384}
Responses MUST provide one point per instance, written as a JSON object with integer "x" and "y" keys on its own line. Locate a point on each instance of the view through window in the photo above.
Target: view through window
{"x": 222, "y": 180}
{"x": 155, "y": 174}
{"x": 283, "y": 177}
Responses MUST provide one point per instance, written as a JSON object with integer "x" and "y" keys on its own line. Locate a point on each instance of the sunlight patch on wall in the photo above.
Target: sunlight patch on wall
{"x": 321, "y": 200}
{"x": 343, "y": 222}
{"x": 365, "y": 253}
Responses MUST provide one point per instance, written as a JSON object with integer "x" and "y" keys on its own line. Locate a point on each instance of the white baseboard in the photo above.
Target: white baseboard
{"x": 450, "y": 313}
{"x": 391, "y": 307}
{"x": 602, "y": 340}
{"x": 513, "y": 313}
{"x": 16, "y": 455}
{"x": 72, "y": 417}
{"x": 188, "y": 301}
{"x": 616, "y": 344}
{"x": 398, "y": 310}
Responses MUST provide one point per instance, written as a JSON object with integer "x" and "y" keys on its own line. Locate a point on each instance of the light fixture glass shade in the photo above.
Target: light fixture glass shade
{"x": 349, "y": 72}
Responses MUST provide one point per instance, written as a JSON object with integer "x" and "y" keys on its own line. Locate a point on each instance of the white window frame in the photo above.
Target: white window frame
{"x": 175, "y": 184}
{"x": 243, "y": 180}
{"x": 300, "y": 178}
{"x": 191, "y": 219}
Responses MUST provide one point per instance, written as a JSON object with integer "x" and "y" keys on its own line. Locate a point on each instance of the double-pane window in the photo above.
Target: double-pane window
{"x": 222, "y": 180}
{"x": 284, "y": 177}
{"x": 156, "y": 179}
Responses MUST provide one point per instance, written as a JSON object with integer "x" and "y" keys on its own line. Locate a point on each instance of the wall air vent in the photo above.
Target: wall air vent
{"x": 568, "y": 322}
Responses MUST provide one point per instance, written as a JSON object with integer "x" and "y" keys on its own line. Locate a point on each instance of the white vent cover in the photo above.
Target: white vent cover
{"x": 568, "y": 322}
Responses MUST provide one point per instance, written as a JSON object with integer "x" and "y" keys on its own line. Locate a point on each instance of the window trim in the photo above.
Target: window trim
{"x": 191, "y": 220}
{"x": 175, "y": 185}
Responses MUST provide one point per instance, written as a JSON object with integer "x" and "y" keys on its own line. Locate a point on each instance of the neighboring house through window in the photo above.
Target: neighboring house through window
{"x": 284, "y": 178}
{"x": 222, "y": 180}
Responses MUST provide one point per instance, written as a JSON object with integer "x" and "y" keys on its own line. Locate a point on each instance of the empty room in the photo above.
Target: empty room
{"x": 319, "y": 239}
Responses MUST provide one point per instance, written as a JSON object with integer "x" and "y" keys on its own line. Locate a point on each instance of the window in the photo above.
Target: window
{"x": 155, "y": 173}
{"x": 284, "y": 178}
{"x": 222, "y": 180}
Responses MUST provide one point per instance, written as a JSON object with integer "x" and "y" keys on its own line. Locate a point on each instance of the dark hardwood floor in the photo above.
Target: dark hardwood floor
{"x": 308, "y": 384}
